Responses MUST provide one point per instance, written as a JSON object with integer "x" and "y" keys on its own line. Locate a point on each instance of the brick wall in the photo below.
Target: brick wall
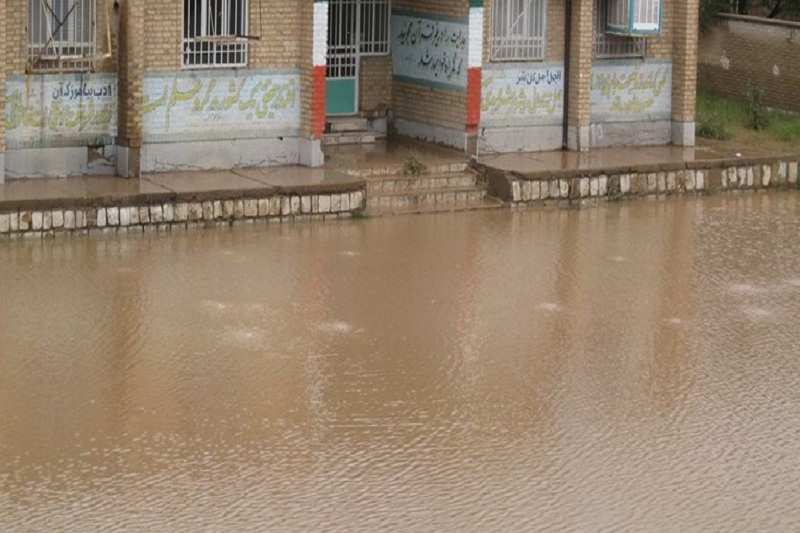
{"x": 16, "y": 36}
{"x": 417, "y": 102}
{"x": 429, "y": 105}
{"x": 375, "y": 83}
{"x": 684, "y": 62}
{"x": 450, "y": 8}
{"x": 162, "y": 47}
{"x": 131, "y": 73}
{"x": 741, "y": 51}
{"x": 279, "y": 26}
{"x": 580, "y": 62}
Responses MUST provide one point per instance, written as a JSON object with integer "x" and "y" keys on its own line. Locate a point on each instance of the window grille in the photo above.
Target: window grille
{"x": 634, "y": 17}
{"x": 62, "y": 35}
{"x": 607, "y": 45}
{"x": 517, "y": 30}
{"x": 374, "y": 27}
{"x": 215, "y": 33}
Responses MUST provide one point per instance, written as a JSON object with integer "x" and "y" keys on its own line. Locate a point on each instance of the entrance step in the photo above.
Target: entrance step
{"x": 349, "y": 137}
{"x": 399, "y": 183}
{"x": 448, "y": 191}
{"x": 346, "y": 124}
{"x": 395, "y": 170}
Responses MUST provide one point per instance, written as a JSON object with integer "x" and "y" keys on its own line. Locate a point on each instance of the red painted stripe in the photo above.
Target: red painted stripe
{"x": 318, "y": 102}
{"x": 473, "y": 99}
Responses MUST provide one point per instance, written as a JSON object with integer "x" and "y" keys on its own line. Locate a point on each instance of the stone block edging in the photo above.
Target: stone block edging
{"x": 700, "y": 177}
{"x": 139, "y": 213}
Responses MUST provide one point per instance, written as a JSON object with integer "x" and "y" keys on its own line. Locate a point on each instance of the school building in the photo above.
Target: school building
{"x": 132, "y": 86}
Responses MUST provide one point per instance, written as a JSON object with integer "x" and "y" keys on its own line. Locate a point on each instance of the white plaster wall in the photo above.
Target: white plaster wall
{"x": 431, "y": 133}
{"x": 60, "y": 162}
{"x": 520, "y": 139}
{"x": 609, "y": 134}
{"x": 222, "y": 154}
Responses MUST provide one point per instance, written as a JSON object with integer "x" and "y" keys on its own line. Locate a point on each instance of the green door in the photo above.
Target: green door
{"x": 341, "y": 85}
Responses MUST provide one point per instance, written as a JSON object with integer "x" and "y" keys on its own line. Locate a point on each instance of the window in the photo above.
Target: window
{"x": 374, "y": 19}
{"x": 214, "y": 33}
{"x": 607, "y": 45}
{"x": 61, "y": 35}
{"x": 517, "y": 30}
{"x": 634, "y": 17}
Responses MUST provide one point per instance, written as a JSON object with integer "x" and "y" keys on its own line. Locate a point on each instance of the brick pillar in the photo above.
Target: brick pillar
{"x": 131, "y": 87}
{"x": 474, "y": 79}
{"x": 3, "y": 53}
{"x": 580, "y": 75}
{"x": 315, "y": 28}
{"x": 684, "y": 71}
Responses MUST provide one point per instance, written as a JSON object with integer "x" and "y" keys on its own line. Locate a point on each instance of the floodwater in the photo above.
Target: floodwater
{"x": 628, "y": 367}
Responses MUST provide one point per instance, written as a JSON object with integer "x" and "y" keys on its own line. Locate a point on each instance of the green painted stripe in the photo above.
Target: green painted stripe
{"x": 475, "y": 3}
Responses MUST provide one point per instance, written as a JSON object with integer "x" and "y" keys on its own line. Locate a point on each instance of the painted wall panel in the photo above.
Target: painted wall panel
{"x": 518, "y": 94}
{"x": 60, "y": 110}
{"x": 430, "y": 51}
{"x": 630, "y": 91}
{"x": 221, "y": 104}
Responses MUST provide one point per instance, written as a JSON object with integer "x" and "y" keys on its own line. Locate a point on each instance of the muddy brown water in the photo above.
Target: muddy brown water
{"x": 629, "y": 367}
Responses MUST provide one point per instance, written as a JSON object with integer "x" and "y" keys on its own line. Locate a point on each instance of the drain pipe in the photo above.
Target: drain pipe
{"x": 567, "y": 39}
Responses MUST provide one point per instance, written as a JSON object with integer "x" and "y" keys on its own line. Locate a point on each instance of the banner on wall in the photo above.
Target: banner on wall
{"x": 430, "y": 51}
{"x": 522, "y": 95}
{"x": 636, "y": 91}
{"x": 47, "y": 110}
{"x": 220, "y": 104}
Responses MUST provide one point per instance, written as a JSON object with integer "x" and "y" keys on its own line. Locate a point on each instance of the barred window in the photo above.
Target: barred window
{"x": 214, "y": 33}
{"x": 374, "y": 19}
{"x": 62, "y": 35}
{"x": 517, "y": 30}
{"x": 607, "y": 45}
{"x": 633, "y": 17}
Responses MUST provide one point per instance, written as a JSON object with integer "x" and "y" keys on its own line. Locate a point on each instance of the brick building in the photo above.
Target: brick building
{"x": 123, "y": 86}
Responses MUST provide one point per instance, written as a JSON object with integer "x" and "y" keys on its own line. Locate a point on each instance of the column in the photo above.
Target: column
{"x": 313, "y": 88}
{"x": 131, "y": 88}
{"x": 579, "y": 75}
{"x": 474, "y": 80}
{"x": 684, "y": 71}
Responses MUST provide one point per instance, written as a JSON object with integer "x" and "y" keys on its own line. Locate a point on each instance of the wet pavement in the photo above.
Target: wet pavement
{"x": 609, "y": 158}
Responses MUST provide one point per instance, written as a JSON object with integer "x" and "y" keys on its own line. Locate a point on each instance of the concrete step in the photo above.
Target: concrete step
{"x": 396, "y": 169}
{"x": 485, "y": 203}
{"x": 390, "y": 184}
{"x": 428, "y": 198}
{"x": 352, "y": 137}
{"x": 346, "y": 124}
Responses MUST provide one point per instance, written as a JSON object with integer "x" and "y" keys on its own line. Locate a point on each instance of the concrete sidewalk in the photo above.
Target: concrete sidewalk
{"x": 615, "y": 158}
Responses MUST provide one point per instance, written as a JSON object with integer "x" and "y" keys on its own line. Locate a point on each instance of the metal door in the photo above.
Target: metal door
{"x": 341, "y": 85}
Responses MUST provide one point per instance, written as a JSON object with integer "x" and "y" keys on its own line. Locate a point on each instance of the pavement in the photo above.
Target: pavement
{"x": 344, "y": 165}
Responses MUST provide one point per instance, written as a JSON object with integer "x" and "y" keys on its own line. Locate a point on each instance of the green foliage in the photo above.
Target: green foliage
{"x": 719, "y": 118}
{"x": 757, "y": 113}
{"x": 712, "y": 126}
{"x": 785, "y": 127}
{"x": 414, "y": 166}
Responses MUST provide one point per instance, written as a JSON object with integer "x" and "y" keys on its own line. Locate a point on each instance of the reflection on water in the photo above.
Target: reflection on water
{"x": 631, "y": 367}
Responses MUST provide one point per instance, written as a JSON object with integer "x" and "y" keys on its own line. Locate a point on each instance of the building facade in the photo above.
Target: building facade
{"x": 127, "y": 87}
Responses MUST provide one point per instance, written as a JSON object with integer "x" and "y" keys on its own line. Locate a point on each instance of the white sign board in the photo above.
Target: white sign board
{"x": 522, "y": 95}
{"x": 430, "y": 51}
{"x": 220, "y": 104}
{"x": 60, "y": 109}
